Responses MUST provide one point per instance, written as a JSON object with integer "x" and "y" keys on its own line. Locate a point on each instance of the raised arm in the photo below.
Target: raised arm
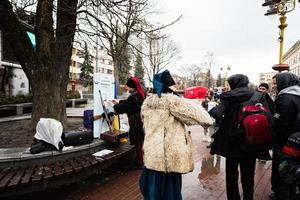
{"x": 188, "y": 113}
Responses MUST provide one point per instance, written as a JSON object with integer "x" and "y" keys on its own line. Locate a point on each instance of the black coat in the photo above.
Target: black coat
{"x": 132, "y": 107}
{"x": 287, "y": 108}
{"x": 226, "y": 142}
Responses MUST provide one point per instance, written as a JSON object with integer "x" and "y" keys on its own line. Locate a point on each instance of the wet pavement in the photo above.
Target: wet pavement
{"x": 206, "y": 182}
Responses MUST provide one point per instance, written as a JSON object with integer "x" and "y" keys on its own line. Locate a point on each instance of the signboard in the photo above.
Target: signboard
{"x": 105, "y": 83}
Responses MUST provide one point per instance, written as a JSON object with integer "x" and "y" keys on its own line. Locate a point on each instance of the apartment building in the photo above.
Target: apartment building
{"x": 266, "y": 77}
{"x": 105, "y": 65}
{"x": 292, "y": 58}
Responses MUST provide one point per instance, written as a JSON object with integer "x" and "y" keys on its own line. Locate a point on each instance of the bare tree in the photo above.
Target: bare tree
{"x": 209, "y": 63}
{"x": 194, "y": 75}
{"x": 114, "y": 24}
{"x": 46, "y": 66}
{"x": 161, "y": 52}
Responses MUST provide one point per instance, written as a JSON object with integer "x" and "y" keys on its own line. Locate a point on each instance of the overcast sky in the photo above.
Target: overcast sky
{"x": 236, "y": 31}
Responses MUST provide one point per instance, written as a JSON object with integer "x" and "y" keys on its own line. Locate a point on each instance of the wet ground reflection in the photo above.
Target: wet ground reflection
{"x": 210, "y": 167}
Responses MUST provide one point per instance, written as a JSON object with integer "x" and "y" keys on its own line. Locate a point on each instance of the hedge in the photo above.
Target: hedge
{"x": 21, "y": 98}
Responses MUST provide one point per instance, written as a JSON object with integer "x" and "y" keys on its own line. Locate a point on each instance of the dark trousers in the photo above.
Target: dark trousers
{"x": 247, "y": 169}
{"x": 138, "y": 145}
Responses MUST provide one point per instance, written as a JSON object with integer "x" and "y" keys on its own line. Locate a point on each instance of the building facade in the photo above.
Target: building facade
{"x": 292, "y": 58}
{"x": 14, "y": 81}
{"x": 12, "y": 77}
{"x": 266, "y": 77}
{"x": 105, "y": 65}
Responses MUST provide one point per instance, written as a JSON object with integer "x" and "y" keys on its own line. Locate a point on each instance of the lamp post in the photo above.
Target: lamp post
{"x": 280, "y": 7}
{"x": 226, "y": 86}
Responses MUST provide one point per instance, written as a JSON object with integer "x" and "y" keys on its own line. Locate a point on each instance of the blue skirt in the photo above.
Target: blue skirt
{"x": 157, "y": 185}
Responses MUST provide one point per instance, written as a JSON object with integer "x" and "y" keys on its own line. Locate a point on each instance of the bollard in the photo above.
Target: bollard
{"x": 73, "y": 103}
{"x": 19, "y": 109}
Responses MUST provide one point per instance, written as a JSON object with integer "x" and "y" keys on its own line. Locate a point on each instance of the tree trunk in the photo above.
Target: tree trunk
{"x": 48, "y": 99}
{"x": 47, "y": 67}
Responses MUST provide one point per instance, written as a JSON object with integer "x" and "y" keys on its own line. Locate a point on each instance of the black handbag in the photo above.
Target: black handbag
{"x": 76, "y": 138}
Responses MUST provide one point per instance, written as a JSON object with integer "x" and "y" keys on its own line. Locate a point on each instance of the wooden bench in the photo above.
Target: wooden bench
{"x": 22, "y": 180}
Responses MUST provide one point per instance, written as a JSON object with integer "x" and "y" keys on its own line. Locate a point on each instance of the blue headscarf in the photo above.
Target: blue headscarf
{"x": 162, "y": 81}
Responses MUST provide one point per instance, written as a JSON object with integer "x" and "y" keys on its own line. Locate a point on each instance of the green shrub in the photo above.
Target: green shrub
{"x": 73, "y": 95}
{"x": 19, "y": 98}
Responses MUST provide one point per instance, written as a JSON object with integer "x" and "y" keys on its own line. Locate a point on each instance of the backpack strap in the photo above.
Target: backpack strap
{"x": 257, "y": 97}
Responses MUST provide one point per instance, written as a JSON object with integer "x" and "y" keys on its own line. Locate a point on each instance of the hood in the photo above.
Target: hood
{"x": 294, "y": 90}
{"x": 286, "y": 79}
{"x": 238, "y": 81}
{"x": 237, "y": 95}
{"x": 49, "y": 130}
{"x": 162, "y": 81}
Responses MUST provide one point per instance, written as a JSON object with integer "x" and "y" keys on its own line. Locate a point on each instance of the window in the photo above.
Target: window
{"x": 97, "y": 69}
{"x": 109, "y": 71}
{"x": 22, "y": 85}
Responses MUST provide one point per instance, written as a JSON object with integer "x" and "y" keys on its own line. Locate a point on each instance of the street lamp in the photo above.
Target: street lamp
{"x": 280, "y": 7}
{"x": 226, "y": 86}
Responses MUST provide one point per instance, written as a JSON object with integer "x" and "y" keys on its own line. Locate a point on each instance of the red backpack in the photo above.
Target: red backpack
{"x": 255, "y": 124}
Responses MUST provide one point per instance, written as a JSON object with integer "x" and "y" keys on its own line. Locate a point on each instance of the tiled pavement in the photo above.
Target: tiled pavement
{"x": 206, "y": 182}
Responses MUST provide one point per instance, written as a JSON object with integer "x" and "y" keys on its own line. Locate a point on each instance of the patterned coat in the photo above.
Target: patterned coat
{"x": 167, "y": 145}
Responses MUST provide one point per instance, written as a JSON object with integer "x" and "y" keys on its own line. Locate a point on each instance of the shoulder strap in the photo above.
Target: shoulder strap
{"x": 257, "y": 97}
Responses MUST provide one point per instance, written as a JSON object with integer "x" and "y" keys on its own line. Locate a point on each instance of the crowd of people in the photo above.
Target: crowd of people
{"x": 164, "y": 147}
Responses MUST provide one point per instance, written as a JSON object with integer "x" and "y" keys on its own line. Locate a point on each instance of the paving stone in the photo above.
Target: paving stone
{"x": 206, "y": 182}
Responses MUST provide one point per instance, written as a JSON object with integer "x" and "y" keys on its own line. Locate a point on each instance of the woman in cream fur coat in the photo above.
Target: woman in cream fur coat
{"x": 167, "y": 145}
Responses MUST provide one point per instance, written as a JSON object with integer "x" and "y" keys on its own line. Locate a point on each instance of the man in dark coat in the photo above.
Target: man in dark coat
{"x": 227, "y": 144}
{"x": 287, "y": 108}
{"x": 264, "y": 88}
{"x": 132, "y": 107}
